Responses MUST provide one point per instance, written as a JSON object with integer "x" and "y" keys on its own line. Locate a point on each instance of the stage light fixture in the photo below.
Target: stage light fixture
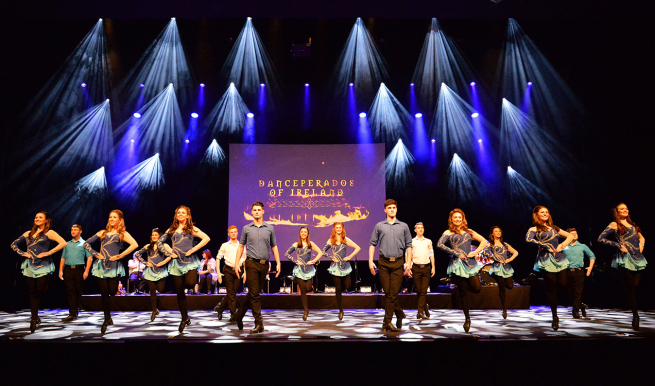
{"x": 202, "y": 85}
{"x": 262, "y": 85}
{"x": 418, "y": 115}
{"x": 351, "y": 84}
{"x": 186, "y": 141}
{"x": 83, "y": 85}
{"x": 463, "y": 185}
{"x": 306, "y": 84}
{"x": 472, "y": 84}
{"x": 411, "y": 84}
{"x": 194, "y": 115}
{"x": 142, "y": 85}
{"x": 434, "y": 140}
{"x": 479, "y": 141}
{"x": 362, "y": 115}
{"x": 131, "y": 140}
{"x": 529, "y": 83}
{"x": 137, "y": 115}
{"x": 474, "y": 115}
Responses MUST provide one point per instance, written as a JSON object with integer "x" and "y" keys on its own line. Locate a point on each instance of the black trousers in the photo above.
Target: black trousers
{"x": 255, "y": 278}
{"x": 186, "y": 281}
{"x": 305, "y": 286}
{"x": 631, "y": 280}
{"x": 231, "y": 282}
{"x": 554, "y": 279}
{"x": 137, "y": 283}
{"x": 205, "y": 283}
{"x": 155, "y": 286}
{"x": 74, "y": 282}
{"x": 340, "y": 283}
{"x": 36, "y": 288}
{"x": 391, "y": 277}
{"x": 464, "y": 286}
{"x": 421, "y": 282}
{"x": 108, "y": 288}
{"x": 575, "y": 287}
{"x": 503, "y": 283}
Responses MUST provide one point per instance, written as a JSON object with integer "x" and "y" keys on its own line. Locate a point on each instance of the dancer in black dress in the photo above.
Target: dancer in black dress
{"x": 501, "y": 271}
{"x": 38, "y": 265}
{"x": 156, "y": 270}
{"x": 304, "y": 271}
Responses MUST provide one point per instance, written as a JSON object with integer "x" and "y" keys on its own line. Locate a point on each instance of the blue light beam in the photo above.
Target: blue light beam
{"x": 146, "y": 176}
{"x": 214, "y": 155}
{"x": 452, "y": 125}
{"x": 523, "y": 194}
{"x": 464, "y": 187}
{"x": 388, "y": 119}
{"x": 398, "y": 166}
{"x": 229, "y": 114}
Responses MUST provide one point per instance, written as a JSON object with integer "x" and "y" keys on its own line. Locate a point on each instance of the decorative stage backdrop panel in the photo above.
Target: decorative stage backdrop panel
{"x": 309, "y": 185}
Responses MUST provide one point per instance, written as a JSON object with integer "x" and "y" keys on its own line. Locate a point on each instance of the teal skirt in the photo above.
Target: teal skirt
{"x": 300, "y": 274}
{"x": 46, "y": 268}
{"x": 98, "y": 270}
{"x": 461, "y": 269}
{"x": 548, "y": 263}
{"x": 150, "y": 275}
{"x": 336, "y": 271}
{"x": 177, "y": 269}
{"x": 502, "y": 270}
{"x": 625, "y": 260}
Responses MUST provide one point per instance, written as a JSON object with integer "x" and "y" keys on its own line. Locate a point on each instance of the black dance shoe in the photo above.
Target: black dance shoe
{"x": 421, "y": 316}
{"x": 239, "y": 322}
{"x": 33, "y": 325}
{"x": 399, "y": 322}
{"x": 340, "y": 314}
{"x": 184, "y": 323}
{"x": 154, "y": 315}
{"x": 504, "y": 313}
{"x": 232, "y": 319}
{"x": 305, "y": 315}
{"x": 555, "y": 324}
{"x": 576, "y": 314}
{"x": 220, "y": 315}
{"x": 69, "y": 318}
{"x": 38, "y": 320}
{"x": 389, "y": 327}
{"x": 445, "y": 280}
{"x": 584, "y": 310}
{"x": 107, "y": 322}
{"x": 259, "y": 328}
{"x": 467, "y": 325}
{"x": 427, "y": 311}
{"x": 635, "y": 323}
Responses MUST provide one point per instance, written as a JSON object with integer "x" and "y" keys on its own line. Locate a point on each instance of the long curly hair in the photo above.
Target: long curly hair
{"x": 46, "y": 226}
{"x": 463, "y": 227}
{"x": 491, "y": 235}
{"x": 120, "y": 228}
{"x": 541, "y": 227}
{"x": 619, "y": 226}
{"x": 188, "y": 227}
{"x": 299, "y": 245}
{"x": 151, "y": 244}
{"x": 333, "y": 235}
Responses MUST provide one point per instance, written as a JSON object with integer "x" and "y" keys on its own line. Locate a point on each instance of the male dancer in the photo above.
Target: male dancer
{"x": 575, "y": 253}
{"x": 395, "y": 247}
{"x": 422, "y": 265}
{"x": 259, "y": 236}
{"x": 228, "y": 252}
{"x": 73, "y": 270}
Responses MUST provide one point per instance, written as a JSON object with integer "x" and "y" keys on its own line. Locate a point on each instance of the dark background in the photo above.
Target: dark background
{"x": 604, "y": 53}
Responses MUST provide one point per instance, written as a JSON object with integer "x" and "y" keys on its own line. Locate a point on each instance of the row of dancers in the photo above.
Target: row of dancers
{"x": 173, "y": 253}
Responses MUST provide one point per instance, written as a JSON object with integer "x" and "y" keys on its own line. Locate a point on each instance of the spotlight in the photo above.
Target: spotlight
{"x": 472, "y": 84}
{"x": 434, "y": 140}
{"x": 172, "y": 18}
{"x": 107, "y": 100}
{"x": 400, "y": 141}
{"x": 352, "y": 84}
{"x": 131, "y": 140}
{"x": 100, "y": 20}
{"x": 250, "y": 115}
{"x": 529, "y": 83}
{"x": 474, "y": 115}
{"x": 262, "y": 85}
{"x": 156, "y": 154}
{"x": 418, "y": 115}
{"x": 137, "y": 115}
{"x": 306, "y": 84}
{"x": 83, "y": 85}
{"x": 381, "y": 84}
{"x": 187, "y": 141}
{"x": 194, "y": 115}
{"x": 142, "y": 85}
{"x": 509, "y": 169}
{"x": 411, "y": 84}
{"x": 479, "y": 141}
{"x": 202, "y": 85}
{"x": 362, "y": 115}
{"x": 249, "y": 18}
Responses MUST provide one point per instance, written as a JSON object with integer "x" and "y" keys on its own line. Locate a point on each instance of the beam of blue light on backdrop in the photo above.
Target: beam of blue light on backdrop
{"x": 527, "y": 146}
{"x": 452, "y": 126}
{"x": 554, "y": 105}
{"x": 160, "y": 129}
{"x": 229, "y": 114}
{"x": 164, "y": 62}
{"x": 248, "y": 65}
{"x": 387, "y": 117}
{"x": 421, "y": 140}
{"x": 440, "y": 62}
{"x": 63, "y": 96}
{"x": 464, "y": 187}
{"x": 398, "y": 166}
{"x": 360, "y": 63}
{"x": 81, "y": 143}
{"x": 523, "y": 194}
{"x": 147, "y": 176}
{"x": 249, "y": 129}
{"x": 214, "y": 155}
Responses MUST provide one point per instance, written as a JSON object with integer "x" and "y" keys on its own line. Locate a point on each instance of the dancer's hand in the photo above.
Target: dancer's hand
{"x": 61, "y": 275}
{"x": 220, "y": 278}
{"x": 432, "y": 275}
{"x": 559, "y": 248}
{"x": 85, "y": 275}
{"x": 277, "y": 268}
{"x": 472, "y": 254}
{"x": 149, "y": 264}
{"x": 189, "y": 253}
{"x": 462, "y": 256}
{"x": 589, "y": 270}
{"x": 115, "y": 258}
{"x": 372, "y": 267}
{"x": 237, "y": 269}
{"x": 624, "y": 249}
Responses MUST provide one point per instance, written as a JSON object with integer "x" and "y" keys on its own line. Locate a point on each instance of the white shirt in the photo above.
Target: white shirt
{"x": 422, "y": 250}
{"x": 211, "y": 267}
{"x": 228, "y": 251}
{"x": 135, "y": 266}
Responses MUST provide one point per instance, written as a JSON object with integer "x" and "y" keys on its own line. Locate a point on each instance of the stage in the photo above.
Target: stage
{"x": 517, "y": 298}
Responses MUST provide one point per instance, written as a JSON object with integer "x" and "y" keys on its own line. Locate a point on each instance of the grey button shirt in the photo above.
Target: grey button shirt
{"x": 394, "y": 238}
{"x": 259, "y": 240}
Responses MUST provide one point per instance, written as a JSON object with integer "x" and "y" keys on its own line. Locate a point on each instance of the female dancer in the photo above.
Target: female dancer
{"x": 462, "y": 268}
{"x": 501, "y": 271}
{"x": 304, "y": 270}
{"x": 156, "y": 270}
{"x": 551, "y": 261}
{"x": 207, "y": 272}
{"x": 628, "y": 258}
{"x": 340, "y": 268}
{"x": 106, "y": 268}
{"x": 38, "y": 265}
{"x": 185, "y": 263}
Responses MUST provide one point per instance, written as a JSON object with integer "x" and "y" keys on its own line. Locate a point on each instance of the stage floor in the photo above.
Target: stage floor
{"x": 322, "y": 325}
